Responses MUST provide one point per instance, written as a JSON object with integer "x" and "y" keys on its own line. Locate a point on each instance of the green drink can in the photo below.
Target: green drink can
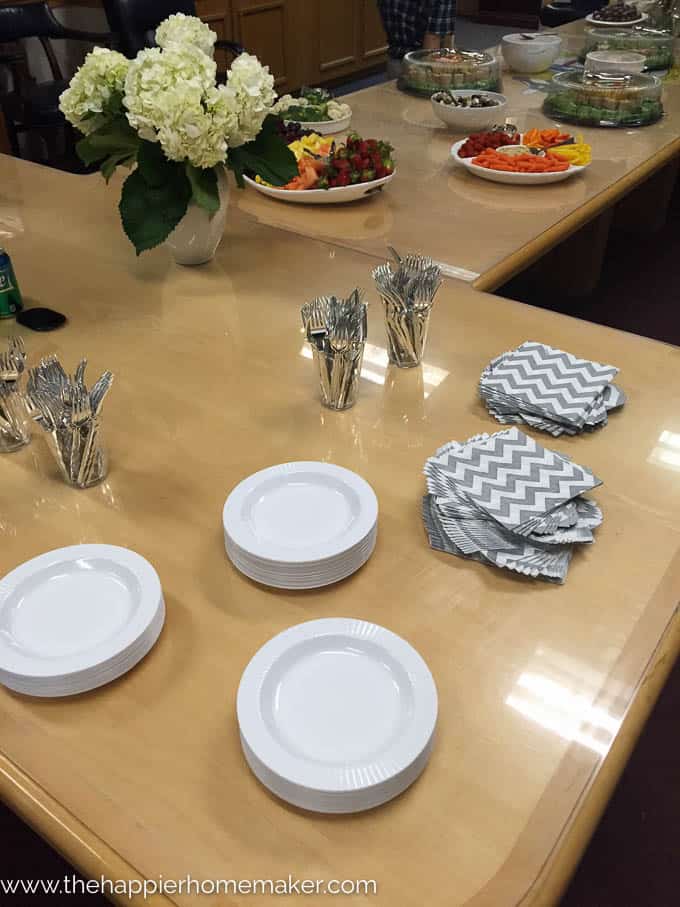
{"x": 10, "y": 295}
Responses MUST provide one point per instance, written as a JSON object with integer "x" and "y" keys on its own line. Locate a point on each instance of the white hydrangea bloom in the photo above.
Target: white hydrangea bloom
{"x": 182, "y": 30}
{"x": 250, "y": 92}
{"x": 286, "y": 101}
{"x": 170, "y": 97}
{"x": 102, "y": 74}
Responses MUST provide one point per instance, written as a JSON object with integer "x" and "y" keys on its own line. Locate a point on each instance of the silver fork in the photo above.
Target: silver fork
{"x": 9, "y": 370}
{"x": 99, "y": 391}
{"x": 80, "y": 412}
{"x": 17, "y": 352}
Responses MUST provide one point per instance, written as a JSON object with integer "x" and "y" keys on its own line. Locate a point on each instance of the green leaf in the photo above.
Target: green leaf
{"x": 204, "y": 189}
{"x": 267, "y": 155}
{"x": 154, "y": 165}
{"x": 150, "y": 213}
{"x": 114, "y": 137}
{"x": 109, "y": 164}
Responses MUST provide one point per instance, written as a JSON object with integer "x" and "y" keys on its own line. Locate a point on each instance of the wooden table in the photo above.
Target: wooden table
{"x": 483, "y": 232}
{"x": 543, "y": 689}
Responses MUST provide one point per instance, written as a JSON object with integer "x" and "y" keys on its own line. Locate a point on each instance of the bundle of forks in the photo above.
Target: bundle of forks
{"x": 336, "y": 330}
{"x": 13, "y": 416}
{"x": 407, "y": 292}
{"x": 70, "y": 415}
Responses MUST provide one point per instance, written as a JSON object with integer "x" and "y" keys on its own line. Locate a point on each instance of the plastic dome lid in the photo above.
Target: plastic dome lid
{"x": 606, "y": 81}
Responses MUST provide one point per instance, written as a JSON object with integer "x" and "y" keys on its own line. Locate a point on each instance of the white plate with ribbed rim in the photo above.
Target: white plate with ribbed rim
{"x": 310, "y": 568}
{"x": 287, "y": 578}
{"x": 514, "y": 179}
{"x": 73, "y": 618}
{"x": 300, "y": 512}
{"x": 337, "y": 715}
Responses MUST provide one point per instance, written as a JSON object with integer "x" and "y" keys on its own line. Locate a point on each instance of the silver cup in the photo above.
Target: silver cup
{"x": 406, "y": 330}
{"x": 339, "y": 370}
{"x": 14, "y": 421}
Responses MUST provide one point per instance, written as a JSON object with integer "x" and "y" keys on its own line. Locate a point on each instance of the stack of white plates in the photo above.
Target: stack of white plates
{"x": 300, "y": 525}
{"x": 76, "y": 618}
{"x": 337, "y": 715}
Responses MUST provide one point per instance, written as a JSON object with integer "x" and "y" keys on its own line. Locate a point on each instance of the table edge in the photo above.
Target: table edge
{"x": 93, "y": 857}
{"x": 526, "y": 255}
{"x": 76, "y": 843}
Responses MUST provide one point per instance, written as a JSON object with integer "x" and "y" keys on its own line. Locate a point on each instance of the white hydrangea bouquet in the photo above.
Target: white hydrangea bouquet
{"x": 164, "y": 112}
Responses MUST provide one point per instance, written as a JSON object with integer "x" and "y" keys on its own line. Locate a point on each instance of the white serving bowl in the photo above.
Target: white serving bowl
{"x": 614, "y": 61}
{"x": 326, "y": 127}
{"x": 532, "y": 55}
{"x": 612, "y": 23}
{"x": 471, "y": 119}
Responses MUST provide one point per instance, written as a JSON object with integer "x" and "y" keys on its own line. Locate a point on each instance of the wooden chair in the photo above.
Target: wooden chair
{"x": 34, "y": 106}
{"x": 135, "y": 22}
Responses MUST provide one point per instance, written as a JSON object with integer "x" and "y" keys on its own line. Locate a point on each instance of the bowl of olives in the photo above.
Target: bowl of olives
{"x": 468, "y": 110}
{"x": 620, "y": 14}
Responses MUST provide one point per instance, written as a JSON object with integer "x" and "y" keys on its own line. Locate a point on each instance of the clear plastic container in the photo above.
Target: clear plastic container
{"x": 427, "y": 71}
{"x": 655, "y": 46}
{"x": 599, "y": 99}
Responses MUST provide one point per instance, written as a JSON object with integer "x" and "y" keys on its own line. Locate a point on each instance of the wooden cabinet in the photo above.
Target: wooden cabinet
{"x": 309, "y": 42}
{"x": 349, "y": 38}
{"x": 269, "y": 29}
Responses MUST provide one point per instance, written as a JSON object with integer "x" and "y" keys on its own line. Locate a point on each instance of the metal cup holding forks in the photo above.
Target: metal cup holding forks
{"x": 69, "y": 413}
{"x": 336, "y": 331}
{"x": 407, "y": 293}
{"x": 14, "y": 421}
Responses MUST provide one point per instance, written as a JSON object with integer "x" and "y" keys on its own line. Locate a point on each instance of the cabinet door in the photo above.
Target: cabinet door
{"x": 217, "y": 14}
{"x": 349, "y": 38}
{"x": 338, "y": 37}
{"x": 269, "y": 29}
{"x": 374, "y": 39}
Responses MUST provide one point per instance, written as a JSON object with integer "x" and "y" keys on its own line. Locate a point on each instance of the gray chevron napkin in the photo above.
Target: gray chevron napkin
{"x": 505, "y": 500}
{"x": 549, "y": 389}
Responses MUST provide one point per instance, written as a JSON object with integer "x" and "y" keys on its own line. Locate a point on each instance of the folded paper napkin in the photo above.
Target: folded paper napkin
{"x": 503, "y": 499}
{"x": 549, "y": 389}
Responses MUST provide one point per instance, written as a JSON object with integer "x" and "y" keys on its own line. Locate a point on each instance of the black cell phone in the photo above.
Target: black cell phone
{"x": 40, "y": 319}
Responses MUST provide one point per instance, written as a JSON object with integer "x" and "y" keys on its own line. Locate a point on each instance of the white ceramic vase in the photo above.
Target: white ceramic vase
{"x": 196, "y": 237}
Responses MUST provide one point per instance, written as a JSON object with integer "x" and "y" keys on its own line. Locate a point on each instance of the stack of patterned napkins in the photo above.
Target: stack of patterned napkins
{"x": 504, "y": 500}
{"x": 549, "y": 389}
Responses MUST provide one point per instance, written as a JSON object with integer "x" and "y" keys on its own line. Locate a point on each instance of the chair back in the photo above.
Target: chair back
{"x": 135, "y": 20}
{"x": 32, "y": 20}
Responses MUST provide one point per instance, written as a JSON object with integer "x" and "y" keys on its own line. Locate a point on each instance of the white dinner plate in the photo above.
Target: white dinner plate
{"x": 641, "y": 18}
{"x": 305, "y": 568}
{"x": 337, "y": 714}
{"x": 322, "y": 196}
{"x": 72, "y": 612}
{"x": 300, "y": 512}
{"x": 326, "y": 127}
{"x": 515, "y": 179}
{"x": 303, "y": 577}
{"x": 86, "y": 681}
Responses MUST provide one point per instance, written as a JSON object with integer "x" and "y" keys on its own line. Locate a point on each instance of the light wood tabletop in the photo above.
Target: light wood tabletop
{"x": 543, "y": 689}
{"x": 484, "y": 232}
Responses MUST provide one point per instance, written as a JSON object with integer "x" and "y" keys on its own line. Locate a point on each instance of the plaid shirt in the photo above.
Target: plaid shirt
{"x": 407, "y": 21}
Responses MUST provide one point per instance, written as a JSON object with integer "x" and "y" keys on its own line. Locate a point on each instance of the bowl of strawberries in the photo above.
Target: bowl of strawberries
{"x": 329, "y": 173}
